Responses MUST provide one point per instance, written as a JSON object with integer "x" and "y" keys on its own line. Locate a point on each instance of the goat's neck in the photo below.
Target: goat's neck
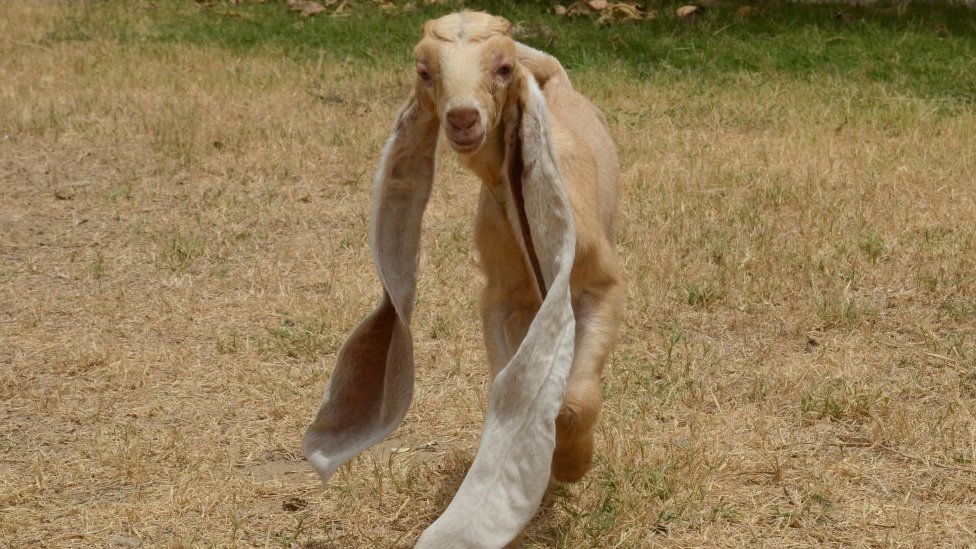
{"x": 489, "y": 162}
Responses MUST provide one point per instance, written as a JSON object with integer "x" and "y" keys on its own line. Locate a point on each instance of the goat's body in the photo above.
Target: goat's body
{"x": 544, "y": 235}
{"x": 588, "y": 163}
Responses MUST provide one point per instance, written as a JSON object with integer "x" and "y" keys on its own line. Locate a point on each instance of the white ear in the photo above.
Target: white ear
{"x": 543, "y": 66}
{"x": 510, "y": 473}
{"x": 372, "y": 383}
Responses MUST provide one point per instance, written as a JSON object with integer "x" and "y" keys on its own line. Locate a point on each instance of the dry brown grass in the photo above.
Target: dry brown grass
{"x": 183, "y": 248}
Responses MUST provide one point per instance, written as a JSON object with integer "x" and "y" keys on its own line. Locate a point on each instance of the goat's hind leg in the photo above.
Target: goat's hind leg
{"x": 597, "y": 316}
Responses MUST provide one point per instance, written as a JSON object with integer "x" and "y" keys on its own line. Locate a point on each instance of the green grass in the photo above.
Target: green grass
{"x": 299, "y": 338}
{"x": 839, "y": 400}
{"x": 920, "y": 50}
{"x": 178, "y": 251}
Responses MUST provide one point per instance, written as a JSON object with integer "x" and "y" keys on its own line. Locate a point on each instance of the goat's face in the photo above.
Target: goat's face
{"x": 466, "y": 65}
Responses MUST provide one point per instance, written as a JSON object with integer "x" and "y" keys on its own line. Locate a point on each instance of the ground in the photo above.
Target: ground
{"x": 183, "y": 248}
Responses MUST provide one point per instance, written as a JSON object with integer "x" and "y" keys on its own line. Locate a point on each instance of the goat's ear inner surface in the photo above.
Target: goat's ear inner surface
{"x": 371, "y": 386}
{"x": 516, "y": 168}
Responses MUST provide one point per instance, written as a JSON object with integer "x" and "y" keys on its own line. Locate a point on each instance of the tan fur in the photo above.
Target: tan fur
{"x": 466, "y": 61}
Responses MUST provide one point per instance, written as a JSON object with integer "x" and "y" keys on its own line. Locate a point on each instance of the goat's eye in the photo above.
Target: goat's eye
{"x": 504, "y": 71}
{"x": 424, "y": 74}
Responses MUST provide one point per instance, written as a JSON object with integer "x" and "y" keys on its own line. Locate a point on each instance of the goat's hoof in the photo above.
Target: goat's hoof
{"x": 571, "y": 461}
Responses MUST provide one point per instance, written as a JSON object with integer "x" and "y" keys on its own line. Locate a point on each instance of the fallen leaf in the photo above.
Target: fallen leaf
{"x": 686, "y": 12}
{"x": 597, "y": 4}
{"x": 624, "y": 11}
{"x": 577, "y": 8}
{"x": 312, "y": 8}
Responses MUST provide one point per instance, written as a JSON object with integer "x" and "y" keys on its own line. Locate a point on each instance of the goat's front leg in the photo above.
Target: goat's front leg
{"x": 598, "y": 311}
{"x": 505, "y": 322}
{"x": 508, "y": 303}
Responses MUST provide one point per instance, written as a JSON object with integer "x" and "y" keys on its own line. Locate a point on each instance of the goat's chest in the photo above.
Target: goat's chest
{"x": 504, "y": 242}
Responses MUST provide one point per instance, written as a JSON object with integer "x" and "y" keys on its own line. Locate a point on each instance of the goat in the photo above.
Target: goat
{"x": 553, "y": 295}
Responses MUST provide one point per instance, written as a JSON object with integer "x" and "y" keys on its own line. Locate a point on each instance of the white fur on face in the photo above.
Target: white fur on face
{"x": 463, "y": 87}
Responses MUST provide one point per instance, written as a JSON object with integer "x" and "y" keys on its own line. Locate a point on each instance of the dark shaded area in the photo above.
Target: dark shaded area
{"x": 922, "y": 49}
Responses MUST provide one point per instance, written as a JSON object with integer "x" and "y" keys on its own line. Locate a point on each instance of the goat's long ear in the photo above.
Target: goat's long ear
{"x": 372, "y": 383}
{"x": 508, "y": 478}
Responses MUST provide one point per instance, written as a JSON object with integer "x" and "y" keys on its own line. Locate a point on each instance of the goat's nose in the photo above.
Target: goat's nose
{"x": 463, "y": 118}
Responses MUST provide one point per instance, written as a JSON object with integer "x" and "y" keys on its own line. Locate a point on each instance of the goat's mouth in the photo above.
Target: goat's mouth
{"x": 465, "y": 144}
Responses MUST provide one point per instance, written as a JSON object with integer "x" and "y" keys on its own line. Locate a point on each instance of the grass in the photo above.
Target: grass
{"x": 894, "y": 44}
{"x": 184, "y": 192}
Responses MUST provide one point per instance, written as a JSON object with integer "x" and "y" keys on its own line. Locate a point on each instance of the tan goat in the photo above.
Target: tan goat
{"x": 544, "y": 235}
{"x": 468, "y": 71}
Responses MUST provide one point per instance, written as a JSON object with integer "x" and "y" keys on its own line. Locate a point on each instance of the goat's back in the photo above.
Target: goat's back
{"x": 587, "y": 156}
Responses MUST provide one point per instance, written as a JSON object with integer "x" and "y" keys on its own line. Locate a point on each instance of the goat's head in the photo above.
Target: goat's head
{"x": 466, "y": 69}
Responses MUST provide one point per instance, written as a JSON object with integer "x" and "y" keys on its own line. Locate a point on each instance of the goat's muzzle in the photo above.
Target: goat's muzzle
{"x": 464, "y": 129}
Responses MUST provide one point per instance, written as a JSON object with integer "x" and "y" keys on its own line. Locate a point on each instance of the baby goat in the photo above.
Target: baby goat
{"x": 553, "y": 292}
{"x": 469, "y": 71}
